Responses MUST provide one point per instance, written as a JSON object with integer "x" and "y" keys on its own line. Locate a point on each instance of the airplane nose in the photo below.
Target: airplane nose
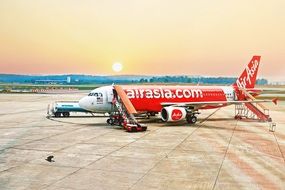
{"x": 84, "y": 103}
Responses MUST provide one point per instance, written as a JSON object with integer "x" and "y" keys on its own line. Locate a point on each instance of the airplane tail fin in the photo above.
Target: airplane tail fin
{"x": 248, "y": 77}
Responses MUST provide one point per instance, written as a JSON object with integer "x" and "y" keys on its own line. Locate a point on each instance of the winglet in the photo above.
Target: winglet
{"x": 275, "y": 101}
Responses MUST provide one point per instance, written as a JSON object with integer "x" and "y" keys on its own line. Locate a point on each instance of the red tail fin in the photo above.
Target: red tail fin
{"x": 248, "y": 77}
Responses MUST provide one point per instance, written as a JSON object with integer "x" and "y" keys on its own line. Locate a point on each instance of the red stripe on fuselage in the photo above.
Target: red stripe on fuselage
{"x": 150, "y": 98}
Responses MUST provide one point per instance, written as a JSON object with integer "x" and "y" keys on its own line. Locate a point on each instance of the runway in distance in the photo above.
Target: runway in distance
{"x": 174, "y": 102}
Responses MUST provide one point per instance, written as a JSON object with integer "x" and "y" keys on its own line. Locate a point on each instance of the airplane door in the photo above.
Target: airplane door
{"x": 110, "y": 95}
{"x": 234, "y": 95}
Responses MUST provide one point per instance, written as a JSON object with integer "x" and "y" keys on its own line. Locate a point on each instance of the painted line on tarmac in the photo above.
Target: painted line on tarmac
{"x": 279, "y": 147}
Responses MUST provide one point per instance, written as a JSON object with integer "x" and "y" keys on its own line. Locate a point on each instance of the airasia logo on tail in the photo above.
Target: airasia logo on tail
{"x": 176, "y": 114}
{"x": 247, "y": 76}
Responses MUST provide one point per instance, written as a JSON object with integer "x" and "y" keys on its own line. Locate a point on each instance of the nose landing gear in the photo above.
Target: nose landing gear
{"x": 115, "y": 120}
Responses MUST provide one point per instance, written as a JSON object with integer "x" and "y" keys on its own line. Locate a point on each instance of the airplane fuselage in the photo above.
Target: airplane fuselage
{"x": 150, "y": 98}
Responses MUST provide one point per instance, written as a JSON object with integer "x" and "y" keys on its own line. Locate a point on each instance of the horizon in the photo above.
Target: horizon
{"x": 175, "y": 38}
{"x": 130, "y": 75}
{"x": 147, "y": 75}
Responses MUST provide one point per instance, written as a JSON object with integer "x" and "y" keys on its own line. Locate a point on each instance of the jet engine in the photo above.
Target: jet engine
{"x": 173, "y": 113}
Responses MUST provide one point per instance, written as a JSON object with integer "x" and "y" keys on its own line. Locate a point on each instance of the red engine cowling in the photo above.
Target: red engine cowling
{"x": 173, "y": 113}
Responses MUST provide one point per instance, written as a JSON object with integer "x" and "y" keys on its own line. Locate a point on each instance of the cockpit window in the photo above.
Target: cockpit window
{"x": 95, "y": 94}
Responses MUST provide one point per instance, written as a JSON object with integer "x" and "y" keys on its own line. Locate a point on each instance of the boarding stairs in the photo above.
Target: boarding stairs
{"x": 126, "y": 111}
{"x": 252, "y": 110}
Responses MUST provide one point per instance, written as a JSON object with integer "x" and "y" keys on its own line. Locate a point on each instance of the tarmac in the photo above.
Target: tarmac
{"x": 216, "y": 153}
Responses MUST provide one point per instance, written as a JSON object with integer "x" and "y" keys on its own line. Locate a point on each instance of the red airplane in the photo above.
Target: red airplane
{"x": 174, "y": 102}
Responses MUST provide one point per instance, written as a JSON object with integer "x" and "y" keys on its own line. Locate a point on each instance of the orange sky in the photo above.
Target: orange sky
{"x": 147, "y": 36}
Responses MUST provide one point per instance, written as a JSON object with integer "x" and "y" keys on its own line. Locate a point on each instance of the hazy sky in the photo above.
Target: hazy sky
{"x": 147, "y": 36}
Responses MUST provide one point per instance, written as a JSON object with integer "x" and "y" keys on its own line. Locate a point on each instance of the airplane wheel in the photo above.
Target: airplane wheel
{"x": 110, "y": 121}
{"x": 192, "y": 119}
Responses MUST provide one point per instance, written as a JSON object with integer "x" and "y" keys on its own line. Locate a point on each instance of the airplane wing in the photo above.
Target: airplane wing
{"x": 198, "y": 105}
{"x": 264, "y": 90}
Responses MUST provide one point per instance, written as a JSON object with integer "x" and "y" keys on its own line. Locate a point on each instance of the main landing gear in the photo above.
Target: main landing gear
{"x": 191, "y": 119}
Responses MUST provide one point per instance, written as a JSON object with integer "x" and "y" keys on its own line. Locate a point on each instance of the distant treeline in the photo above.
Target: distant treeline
{"x": 120, "y": 79}
{"x": 201, "y": 80}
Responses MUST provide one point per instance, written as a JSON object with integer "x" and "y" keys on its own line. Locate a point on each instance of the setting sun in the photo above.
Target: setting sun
{"x": 117, "y": 67}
